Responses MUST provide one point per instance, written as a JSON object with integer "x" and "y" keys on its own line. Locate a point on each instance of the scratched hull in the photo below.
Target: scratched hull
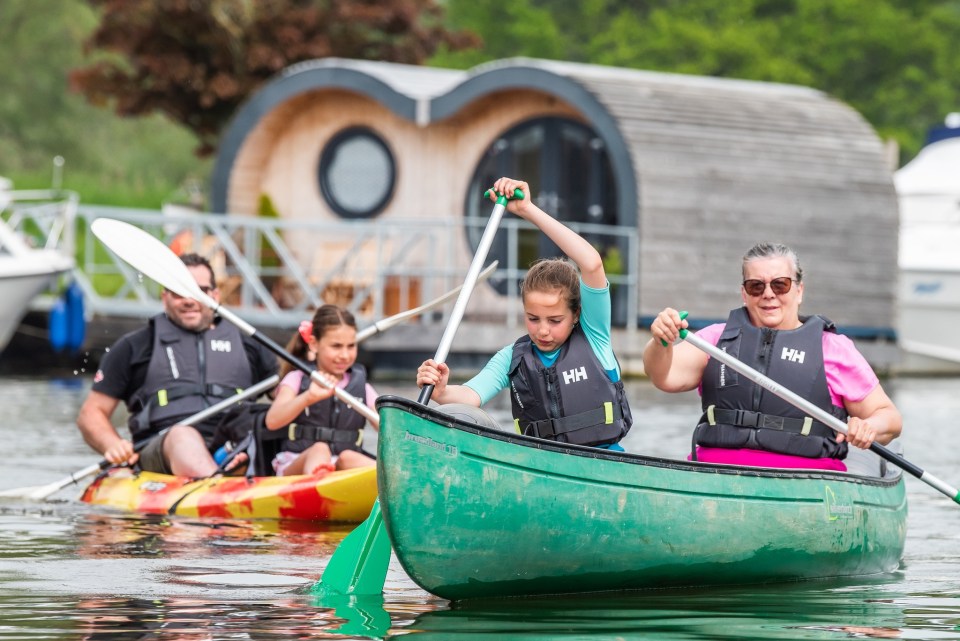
{"x": 476, "y": 513}
{"x": 344, "y": 497}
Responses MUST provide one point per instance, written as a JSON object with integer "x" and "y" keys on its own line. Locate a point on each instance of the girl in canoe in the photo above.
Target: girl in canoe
{"x": 563, "y": 377}
{"x": 743, "y": 425}
{"x": 323, "y": 432}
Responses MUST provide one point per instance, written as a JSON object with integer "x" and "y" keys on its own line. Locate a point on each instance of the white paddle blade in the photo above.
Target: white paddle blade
{"x": 149, "y": 256}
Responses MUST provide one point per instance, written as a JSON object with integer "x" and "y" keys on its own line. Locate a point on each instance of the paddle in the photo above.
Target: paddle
{"x": 359, "y": 564}
{"x": 396, "y": 319}
{"x": 43, "y": 491}
{"x": 813, "y": 411}
{"x": 150, "y": 256}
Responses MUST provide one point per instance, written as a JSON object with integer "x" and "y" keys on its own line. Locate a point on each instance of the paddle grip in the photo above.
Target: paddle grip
{"x": 683, "y": 332}
{"x": 501, "y": 199}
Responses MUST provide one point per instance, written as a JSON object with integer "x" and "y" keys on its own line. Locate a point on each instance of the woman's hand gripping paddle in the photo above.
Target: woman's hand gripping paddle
{"x": 813, "y": 411}
{"x": 359, "y": 564}
{"x": 150, "y": 256}
{"x": 43, "y": 491}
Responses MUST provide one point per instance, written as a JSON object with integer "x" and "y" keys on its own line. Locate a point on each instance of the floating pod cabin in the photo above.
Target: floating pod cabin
{"x": 671, "y": 176}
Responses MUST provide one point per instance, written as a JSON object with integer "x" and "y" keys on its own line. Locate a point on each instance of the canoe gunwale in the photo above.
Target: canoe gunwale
{"x": 439, "y": 418}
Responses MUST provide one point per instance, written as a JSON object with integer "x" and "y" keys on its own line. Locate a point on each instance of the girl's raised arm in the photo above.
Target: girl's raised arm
{"x": 570, "y": 243}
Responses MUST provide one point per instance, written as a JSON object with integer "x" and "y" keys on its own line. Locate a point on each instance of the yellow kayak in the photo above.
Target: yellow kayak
{"x": 345, "y": 496}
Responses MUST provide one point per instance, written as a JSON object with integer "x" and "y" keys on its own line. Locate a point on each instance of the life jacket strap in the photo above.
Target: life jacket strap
{"x": 744, "y": 418}
{"x": 326, "y": 434}
{"x": 551, "y": 427}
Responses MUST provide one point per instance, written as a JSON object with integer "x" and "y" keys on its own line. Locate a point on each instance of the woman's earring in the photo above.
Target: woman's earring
{"x": 311, "y": 355}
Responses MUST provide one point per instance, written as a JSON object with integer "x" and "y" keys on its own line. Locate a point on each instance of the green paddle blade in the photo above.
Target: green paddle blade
{"x": 359, "y": 564}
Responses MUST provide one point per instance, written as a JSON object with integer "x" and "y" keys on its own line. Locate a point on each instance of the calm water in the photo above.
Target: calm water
{"x": 70, "y": 571}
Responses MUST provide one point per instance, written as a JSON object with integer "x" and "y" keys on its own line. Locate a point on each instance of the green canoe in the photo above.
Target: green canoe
{"x": 474, "y": 513}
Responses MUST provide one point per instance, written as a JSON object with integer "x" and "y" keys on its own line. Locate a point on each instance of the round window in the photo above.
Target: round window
{"x": 357, "y": 173}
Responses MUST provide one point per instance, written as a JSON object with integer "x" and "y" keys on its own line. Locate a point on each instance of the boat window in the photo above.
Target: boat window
{"x": 357, "y": 173}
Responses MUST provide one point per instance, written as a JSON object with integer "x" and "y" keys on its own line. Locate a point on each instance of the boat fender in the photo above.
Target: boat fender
{"x": 57, "y": 325}
{"x": 67, "y": 324}
{"x": 469, "y": 414}
{"x": 76, "y": 318}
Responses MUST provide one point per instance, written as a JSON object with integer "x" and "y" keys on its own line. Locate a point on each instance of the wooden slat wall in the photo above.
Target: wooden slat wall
{"x": 721, "y": 167}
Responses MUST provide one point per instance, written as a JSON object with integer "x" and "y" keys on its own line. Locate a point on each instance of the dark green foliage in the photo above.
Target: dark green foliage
{"x": 196, "y": 62}
{"x": 895, "y": 61}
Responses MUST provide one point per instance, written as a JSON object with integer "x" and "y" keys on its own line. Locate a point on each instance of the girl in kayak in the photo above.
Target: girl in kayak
{"x": 563, "y": 377}
{"x": 323, "y": 433}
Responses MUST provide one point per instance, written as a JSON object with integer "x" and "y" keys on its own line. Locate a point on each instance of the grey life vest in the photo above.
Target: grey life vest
{"x": 188, "y": 372}
{"x": 738, "y": 413}
{"x": 330, "y": 420}
{"x": 572, "y": 401}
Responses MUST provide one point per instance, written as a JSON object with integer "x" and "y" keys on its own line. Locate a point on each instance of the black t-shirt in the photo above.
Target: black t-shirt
{"x": 123, "y": 369}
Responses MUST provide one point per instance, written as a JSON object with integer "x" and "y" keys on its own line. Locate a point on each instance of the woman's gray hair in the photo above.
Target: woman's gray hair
{"x": 772, "y": 250}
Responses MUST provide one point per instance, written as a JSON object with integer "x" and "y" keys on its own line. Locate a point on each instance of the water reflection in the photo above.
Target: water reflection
{"x": 113, "y": 535}
{"x": 801, "y": 611}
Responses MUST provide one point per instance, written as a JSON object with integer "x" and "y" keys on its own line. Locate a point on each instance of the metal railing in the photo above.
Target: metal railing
{"x": 273, "y": 272}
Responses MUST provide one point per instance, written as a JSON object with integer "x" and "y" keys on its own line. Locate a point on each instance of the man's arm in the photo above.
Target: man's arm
{"x": 99, "y": 433}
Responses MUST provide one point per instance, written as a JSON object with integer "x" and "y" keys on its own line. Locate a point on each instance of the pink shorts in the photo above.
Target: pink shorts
{"x": 758, "y": 458}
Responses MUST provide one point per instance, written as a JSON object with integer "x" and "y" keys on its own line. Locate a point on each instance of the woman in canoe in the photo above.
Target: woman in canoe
{"x": 743, "y": 425}
{"x": 324, "y": 433}
{"x": 564, "y": 378}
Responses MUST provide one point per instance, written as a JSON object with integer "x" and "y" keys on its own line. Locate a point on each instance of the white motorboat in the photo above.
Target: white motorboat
{"x": 25, "y": 270}
{"x": 929, "y": 290}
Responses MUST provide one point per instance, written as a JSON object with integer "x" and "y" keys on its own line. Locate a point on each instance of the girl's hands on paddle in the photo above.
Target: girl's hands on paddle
{"x": 317, "y": 392}
{"x": 506, "y": 187}
{"x": 666, "y": 327}
{"x": 433, "y": 373}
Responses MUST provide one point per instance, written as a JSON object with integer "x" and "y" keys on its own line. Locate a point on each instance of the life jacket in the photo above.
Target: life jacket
{"x": 738, "y": 413}
{"x": 572, "y": 401}
{"x": 330, "y": 421}
{"x": 188, "y": 372}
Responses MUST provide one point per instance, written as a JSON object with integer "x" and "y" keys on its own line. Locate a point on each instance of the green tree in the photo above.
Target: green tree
{"x": 197, "y": 62}
{"x": 108, "y": 160}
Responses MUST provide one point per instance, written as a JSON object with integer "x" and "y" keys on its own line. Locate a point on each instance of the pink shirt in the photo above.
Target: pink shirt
{"x": 295, "y": 378}
{"x": 849, "y": 377}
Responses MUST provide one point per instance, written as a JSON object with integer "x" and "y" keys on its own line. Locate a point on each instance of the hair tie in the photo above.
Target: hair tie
{"x": 306, "y": 330}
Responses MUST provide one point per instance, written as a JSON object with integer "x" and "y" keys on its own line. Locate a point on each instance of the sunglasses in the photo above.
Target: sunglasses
{"x": 779, "y": 286}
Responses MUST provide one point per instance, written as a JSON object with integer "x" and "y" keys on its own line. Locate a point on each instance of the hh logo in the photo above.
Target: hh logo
{"x": 219, "y": 346}
{"x": 574, "y": 375}
{"x": 790, "y": 354}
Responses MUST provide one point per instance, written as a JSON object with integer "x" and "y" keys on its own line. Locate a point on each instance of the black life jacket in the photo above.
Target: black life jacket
{"x": 188, "y": 372}
{"x": 572, "y": 401}
{"x": 330, "y": 420}
{"x": 740, "y": 414}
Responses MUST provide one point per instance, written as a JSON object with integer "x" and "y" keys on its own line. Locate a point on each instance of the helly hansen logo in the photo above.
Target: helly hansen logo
{"x": 575, "y": 375}
{"x": 219, "y": 345}
{"x": 795, "y": 355}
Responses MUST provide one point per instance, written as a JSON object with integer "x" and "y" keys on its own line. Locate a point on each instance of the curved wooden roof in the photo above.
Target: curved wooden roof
{"x": 704, "y": 167}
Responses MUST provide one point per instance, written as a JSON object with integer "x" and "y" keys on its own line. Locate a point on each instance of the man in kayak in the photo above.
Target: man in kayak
{"x": 183, "y": 361}
{"x": 743, "y": 425}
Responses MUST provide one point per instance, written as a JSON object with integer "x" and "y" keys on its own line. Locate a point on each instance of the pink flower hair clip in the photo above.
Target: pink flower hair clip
{"x": 306, "y": 330}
